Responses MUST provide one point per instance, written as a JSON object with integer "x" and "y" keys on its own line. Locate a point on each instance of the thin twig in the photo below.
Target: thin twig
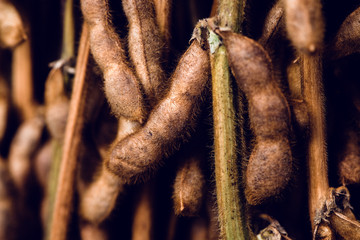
{"x": 230, "y": 206}
{"x": 65, "y": 190}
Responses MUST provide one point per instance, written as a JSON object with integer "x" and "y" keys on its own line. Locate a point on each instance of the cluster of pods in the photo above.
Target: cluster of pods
{"x": 136, "y": 140}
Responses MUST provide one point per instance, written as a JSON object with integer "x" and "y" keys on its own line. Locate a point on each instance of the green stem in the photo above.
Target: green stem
{"x": 230, "y": 202}
{"x": 231, "y": 14}
{"x": 52, "y": 184}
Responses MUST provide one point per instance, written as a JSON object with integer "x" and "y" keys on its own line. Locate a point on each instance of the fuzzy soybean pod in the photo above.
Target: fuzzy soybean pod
{"x": 304, "y": 24}
{"x": 349, "y": 164}
{"x": 22, "y": 149}
{"x": 270, "y": 165}
{"x": 56, "y": 104}
{"x": 121, "y": 86}
{"x": 12, "y": 30}
{"x": 99, "y": 199}
{"x": 136, "y": 156}
{"x": 189, "y": 187}
{"x": 347, "y": 39}
{"x": 145, "y": 46}
{"x": 273, "y": 24}
{"x": 298, "y": 106}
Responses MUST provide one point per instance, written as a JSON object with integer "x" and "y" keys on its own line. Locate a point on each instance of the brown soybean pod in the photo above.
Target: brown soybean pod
{"x": 139, "y": 154}
{"x": 338, "y": 212}
{"x": 346, "y": 227}
{"x": 12, "y": 30}
{"x": 189, "y": 187}
{"x": 56, "y": 104}
{"x": 42, "y": 165}
{"x": 122, "y": 90}
{"x": 163, "y": 17}
{"x": 89, "y": 231}
{"x": 347, "y": 39}
{"x": 273, "y": 23}
{"x": 121, "y": 86}
{"x": 270, "y": 165}
{"x": 349, "y": 164}
{"x": 145, "y": 46}
{"x": 304, "y": 24}
{"x": 143, "y": 215}
{"x": 298, "y": 106}
{"x": 99, "y": 199}
{"x": 22, "y": 148}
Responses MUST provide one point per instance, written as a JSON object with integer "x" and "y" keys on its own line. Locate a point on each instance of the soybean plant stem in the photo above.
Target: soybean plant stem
{"x": 53, "y": 182}
{"x": 68, "y": 31}
{"x": 66, "y": 182}
{"x": 229, "y": 201}
{"x": 317, "y": 157}
{"x": 67, "y": 52}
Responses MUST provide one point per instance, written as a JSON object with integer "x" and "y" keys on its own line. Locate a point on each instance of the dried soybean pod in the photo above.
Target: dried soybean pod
{"x": 304, "y": 24}
{"x": 143, "y": 215}
{"x": 347, "y": 39}
{"x": 99, "y": 199}
{"x": 272, "y": 25}
{"x": 337, "y": 212}
{"x": 7, "y": 208}
{"x": 349, "y": 164}
{"x": 89, "y": 231}
{"x": 344, "y": 226}
{"x": 163, "y": 18}
{"x": 56, "y": 104}
{"x": 189, "y": 187}
{"x": 145, "y": 46}
{"x": 297, "y": 103}
{"x": 22, "y": 148}
{"x": 270, "y": 165}
{"x": 42, "y": 166}
{"x": 136, "y": 156}
{"x": 12, "y": 30}
{"x": 42, "y": 163}
{"x": 121, "y": 86}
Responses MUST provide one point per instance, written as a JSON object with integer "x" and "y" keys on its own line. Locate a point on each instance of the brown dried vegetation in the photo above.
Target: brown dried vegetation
{"x": 136, "y": 146}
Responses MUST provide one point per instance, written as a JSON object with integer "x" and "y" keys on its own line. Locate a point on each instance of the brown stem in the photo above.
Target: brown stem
{"x": 317, "y": 157}
{"x": 65, "y": 189}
